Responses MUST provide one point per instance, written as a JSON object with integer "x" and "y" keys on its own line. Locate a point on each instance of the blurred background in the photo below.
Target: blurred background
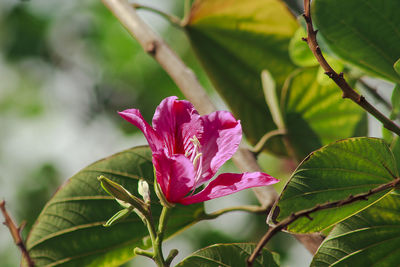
{"x": 66, "y": 67}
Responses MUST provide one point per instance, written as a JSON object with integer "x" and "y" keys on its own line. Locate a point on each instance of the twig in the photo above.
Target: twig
{"x": 187, "y": 82}
{"x": 265, "y": 138}
{"x": 348, "y": 91}
{"x": 306, "y": 213}
{"x": 16, "y": 234}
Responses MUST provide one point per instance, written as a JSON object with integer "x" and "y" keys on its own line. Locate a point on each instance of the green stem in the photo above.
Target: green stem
{"x": 172, "y": 19}
{"x": 157, "y": 243}
{"x": 269, "y": 88}
{"x": 157, "y": 238}
{"x": 171, "y": 256}
{"x": 155, "y": 255}
{"x": 165, "y": 213}
{"x": 139, "y": 251}
{"x": 266, "y": 137}
{"x": 249, "y": 208}
{"x": 186, "y": 9}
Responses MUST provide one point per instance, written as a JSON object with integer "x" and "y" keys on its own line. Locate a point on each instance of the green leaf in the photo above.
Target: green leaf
{"x": 370, "y": 238}
{"x": 333, "y": 173}
{"x": 235, "y": 40}
{"x": 395, "y": 101}
{"x": 232, "y": 255}
{"x": 396, "y": 66}
{"x": 269, "y": 88}
{"x": 316, "y": 114}
{"x": 120, "y": 215}
{"x": 70, "y": 232}
{"x": 364, "y": 33}
{"x": 395, "y": 147}
{"x": 299, "y": 51}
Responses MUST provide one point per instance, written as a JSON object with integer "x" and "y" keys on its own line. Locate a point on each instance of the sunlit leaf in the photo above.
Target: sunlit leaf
{"x": 315, "y": 114}
{"x": 235, "y": 40}
{"x": 370, "y": 238}
{"x": 395, "y": 101}
{"x": 396, "y": 66}
{"x": 299, "y": 51}
{"x": 364, "y": 33}
{"x": 333, "y": 173}
{"x": 70, "y": 231}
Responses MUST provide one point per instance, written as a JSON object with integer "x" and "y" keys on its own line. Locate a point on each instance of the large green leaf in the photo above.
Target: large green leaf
{"x": 316, "y": 114}
{"x": 364, "y": 33}
{"x": 232, "y": 255}
{"x": 70, "y": 232}
{"x": 395, "y": 147}
{"x": 396, "y": 66}
{"x": 395, "y": 99}
{"x": 235, "y": 40}
{"x": 299, "y": 51}
{"x": 370, "y": 238}
{"x": 333, "y": 173}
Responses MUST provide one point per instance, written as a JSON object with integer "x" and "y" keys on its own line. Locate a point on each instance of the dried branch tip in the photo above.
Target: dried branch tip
{"x": 16, "y": 234}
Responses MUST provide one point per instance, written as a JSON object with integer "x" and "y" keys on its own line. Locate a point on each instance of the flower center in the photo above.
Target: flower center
{"x": 196, "y": 158}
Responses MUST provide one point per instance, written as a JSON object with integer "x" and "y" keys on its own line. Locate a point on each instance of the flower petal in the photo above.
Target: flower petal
{"x": 229, "y": 183}
{"x": 176, "y": 121}
{"x": 220, "y": 140}
{"x": 175, "y": 175}
{"x": 135, "y": 117}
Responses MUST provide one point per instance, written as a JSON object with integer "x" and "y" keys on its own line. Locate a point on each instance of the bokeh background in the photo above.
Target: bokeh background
{"x": 66, "y": 67}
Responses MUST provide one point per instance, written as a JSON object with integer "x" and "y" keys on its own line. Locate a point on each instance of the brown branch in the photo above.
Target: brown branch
{"x": 306, "y": 213}
{"x": 16, "y": 234}
{"x": 348, "y": 91}
{"x": 187, "y": 82}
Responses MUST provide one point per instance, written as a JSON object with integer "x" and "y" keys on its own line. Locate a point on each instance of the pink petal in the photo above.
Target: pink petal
{"x": 229, "y": 183}
{"x": 177, "y": 122}
{"x": 220, "y": 140}
{"x": 135, "y": 117}
{"x": 175, "y": 175}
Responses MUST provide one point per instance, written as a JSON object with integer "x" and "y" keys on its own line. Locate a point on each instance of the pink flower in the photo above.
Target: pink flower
{"x": 188, "y": 149}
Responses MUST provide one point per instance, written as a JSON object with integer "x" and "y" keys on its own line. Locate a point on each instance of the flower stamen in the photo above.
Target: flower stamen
{"x": 197, "y": 160}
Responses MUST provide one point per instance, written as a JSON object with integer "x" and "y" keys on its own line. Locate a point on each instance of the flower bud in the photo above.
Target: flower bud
{"x": 118, "y": 217}
{"x": 144, "y": 190}
{"x": 123, "y": 196}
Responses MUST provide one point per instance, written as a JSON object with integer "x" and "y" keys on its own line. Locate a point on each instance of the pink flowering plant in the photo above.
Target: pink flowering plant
{"x": 187, "y": 151}
{"x": 341, "y": 197}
